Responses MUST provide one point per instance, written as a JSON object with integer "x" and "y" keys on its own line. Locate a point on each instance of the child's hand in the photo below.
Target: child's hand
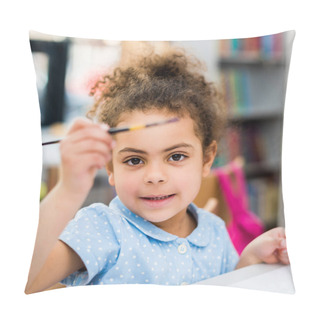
{"x": 86, "y": 148}
{"x": 270, "y": 247}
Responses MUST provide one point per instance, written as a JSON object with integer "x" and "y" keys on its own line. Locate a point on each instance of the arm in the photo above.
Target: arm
{"x": 270, "y": 247}
{"x": 61, "y": 262}
{"x": 86, "y": 148}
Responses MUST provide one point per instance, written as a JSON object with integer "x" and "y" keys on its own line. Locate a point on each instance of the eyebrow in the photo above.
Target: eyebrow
{"x": 180, "y": 145}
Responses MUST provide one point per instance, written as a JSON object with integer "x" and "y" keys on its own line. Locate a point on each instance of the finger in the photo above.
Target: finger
{"x": 96, "y": 132}
{"x": 83, "y": 126}
{"x": 87, "y": 149}
{"x": 277, "y": 238}
{"x": 79, "y": 123}
{"x": 283, "y": 256}
{"x": 92, "y": 146}
{"x": 100, "y": 130}
{"x": 89, "y": 161}
{"x": 91, "y": 138}
{"x": 283, "y": 244}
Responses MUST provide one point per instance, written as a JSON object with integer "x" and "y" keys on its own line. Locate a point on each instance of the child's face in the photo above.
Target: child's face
{"x": 157, "y": 172}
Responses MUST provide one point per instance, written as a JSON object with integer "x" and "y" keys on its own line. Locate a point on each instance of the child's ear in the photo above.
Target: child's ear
{"x": 209, "y": 156}
{"x": 109, "y": 168}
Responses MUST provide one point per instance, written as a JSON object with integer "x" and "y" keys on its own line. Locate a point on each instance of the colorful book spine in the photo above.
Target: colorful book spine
{"x": 249, "y": 142}
{"x": 246, "y": 92}
{"x": 263, "y": 199}
{"x": 265, "y": 47}
{"x": 236, "y": 88}
{"x": 224, "y": 48}
{"x": 278, "y": 47}
{"x": 233, "y": 143}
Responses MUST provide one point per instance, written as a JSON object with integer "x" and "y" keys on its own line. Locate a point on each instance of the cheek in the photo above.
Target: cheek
{"x": 126, "y": 183}
{"x": 189, "y": 181}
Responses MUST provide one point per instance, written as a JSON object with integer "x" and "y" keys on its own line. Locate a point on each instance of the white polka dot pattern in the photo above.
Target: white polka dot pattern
{"x": 118, "y": 246}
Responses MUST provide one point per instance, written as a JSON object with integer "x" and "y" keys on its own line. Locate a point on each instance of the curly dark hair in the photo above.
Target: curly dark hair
{"x": 171, "y": 82}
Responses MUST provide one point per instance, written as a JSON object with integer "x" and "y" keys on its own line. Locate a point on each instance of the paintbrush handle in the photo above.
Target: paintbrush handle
{"x": 51, "y": 142}
{"x": 123, "y": 129}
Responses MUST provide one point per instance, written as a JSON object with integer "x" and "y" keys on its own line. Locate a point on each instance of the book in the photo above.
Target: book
{"x": 236, "y": 88}
{"x": 255, "y": 48}
{"x": 263, "y": 199}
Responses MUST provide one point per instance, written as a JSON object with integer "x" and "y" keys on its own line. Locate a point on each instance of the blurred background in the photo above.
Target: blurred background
{"x": 251, "y": 72}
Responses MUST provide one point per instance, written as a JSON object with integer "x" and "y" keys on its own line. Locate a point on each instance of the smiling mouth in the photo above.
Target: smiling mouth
{"x": 157, "y": 198}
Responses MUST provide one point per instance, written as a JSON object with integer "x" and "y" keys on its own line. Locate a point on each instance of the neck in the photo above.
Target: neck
{"x": 181, "y": 225}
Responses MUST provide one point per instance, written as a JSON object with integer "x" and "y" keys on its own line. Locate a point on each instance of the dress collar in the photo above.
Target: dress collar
{"x": 199, "y": 237}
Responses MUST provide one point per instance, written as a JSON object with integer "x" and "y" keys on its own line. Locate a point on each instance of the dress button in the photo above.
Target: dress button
{"x": 182, "y": 248}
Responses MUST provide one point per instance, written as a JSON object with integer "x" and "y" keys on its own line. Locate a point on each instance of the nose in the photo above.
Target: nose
{"x": 155, "y": 173}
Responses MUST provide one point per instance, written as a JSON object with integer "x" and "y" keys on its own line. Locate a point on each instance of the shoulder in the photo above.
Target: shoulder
{"x": 97, "y": 222}
{"x": 96, "y": 215}
{"x": 94, "y": 210}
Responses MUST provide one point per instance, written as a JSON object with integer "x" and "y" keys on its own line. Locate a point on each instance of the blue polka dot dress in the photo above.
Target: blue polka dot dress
{"x": 119, "y": 247}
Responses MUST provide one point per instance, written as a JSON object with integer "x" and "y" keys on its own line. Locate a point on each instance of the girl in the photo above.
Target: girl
{"x": 151, "y": 232}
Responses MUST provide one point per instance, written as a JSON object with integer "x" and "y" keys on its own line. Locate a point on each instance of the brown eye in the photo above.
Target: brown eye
{"x": 177, "y": 157}
{"x": 134, "y": 161}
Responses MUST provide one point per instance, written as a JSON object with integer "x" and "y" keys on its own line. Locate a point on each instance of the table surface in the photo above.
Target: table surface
{"x": 266, "y": 277}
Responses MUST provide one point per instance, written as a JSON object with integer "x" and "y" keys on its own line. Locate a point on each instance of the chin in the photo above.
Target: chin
{"x": 156, "y": 219}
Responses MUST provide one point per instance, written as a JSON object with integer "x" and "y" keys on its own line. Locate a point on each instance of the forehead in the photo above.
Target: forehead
{"x": 180, "y": 131}
{"x": 142, "y": 116}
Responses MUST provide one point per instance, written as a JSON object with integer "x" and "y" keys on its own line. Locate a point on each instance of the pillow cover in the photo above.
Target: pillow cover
{"x": 250, "y": 72}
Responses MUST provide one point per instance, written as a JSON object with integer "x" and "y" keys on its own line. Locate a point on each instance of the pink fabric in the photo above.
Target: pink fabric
{"x": 244, "y": 225}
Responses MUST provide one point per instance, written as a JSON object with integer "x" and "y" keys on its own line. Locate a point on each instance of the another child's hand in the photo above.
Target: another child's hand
{"x": 270, "y": 247}
{"x": 85, "y": 149}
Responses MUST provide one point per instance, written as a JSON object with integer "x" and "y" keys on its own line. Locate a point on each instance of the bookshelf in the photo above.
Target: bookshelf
{"x": 253, "y": 75}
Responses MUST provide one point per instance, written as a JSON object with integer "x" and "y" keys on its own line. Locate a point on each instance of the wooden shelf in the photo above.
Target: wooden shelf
{"x": 246, "y": 60}
{"x": 262, "y": 169}
{"x": 256, "y": 115}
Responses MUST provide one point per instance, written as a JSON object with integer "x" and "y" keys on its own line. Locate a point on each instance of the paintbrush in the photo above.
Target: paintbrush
{"x": 129, "y": 128}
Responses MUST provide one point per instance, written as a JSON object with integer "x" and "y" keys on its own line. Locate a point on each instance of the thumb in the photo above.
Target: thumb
{"x": 283, "y": 253}
{"x": 278, "y": 237}
{"x": 283, "y": 243}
